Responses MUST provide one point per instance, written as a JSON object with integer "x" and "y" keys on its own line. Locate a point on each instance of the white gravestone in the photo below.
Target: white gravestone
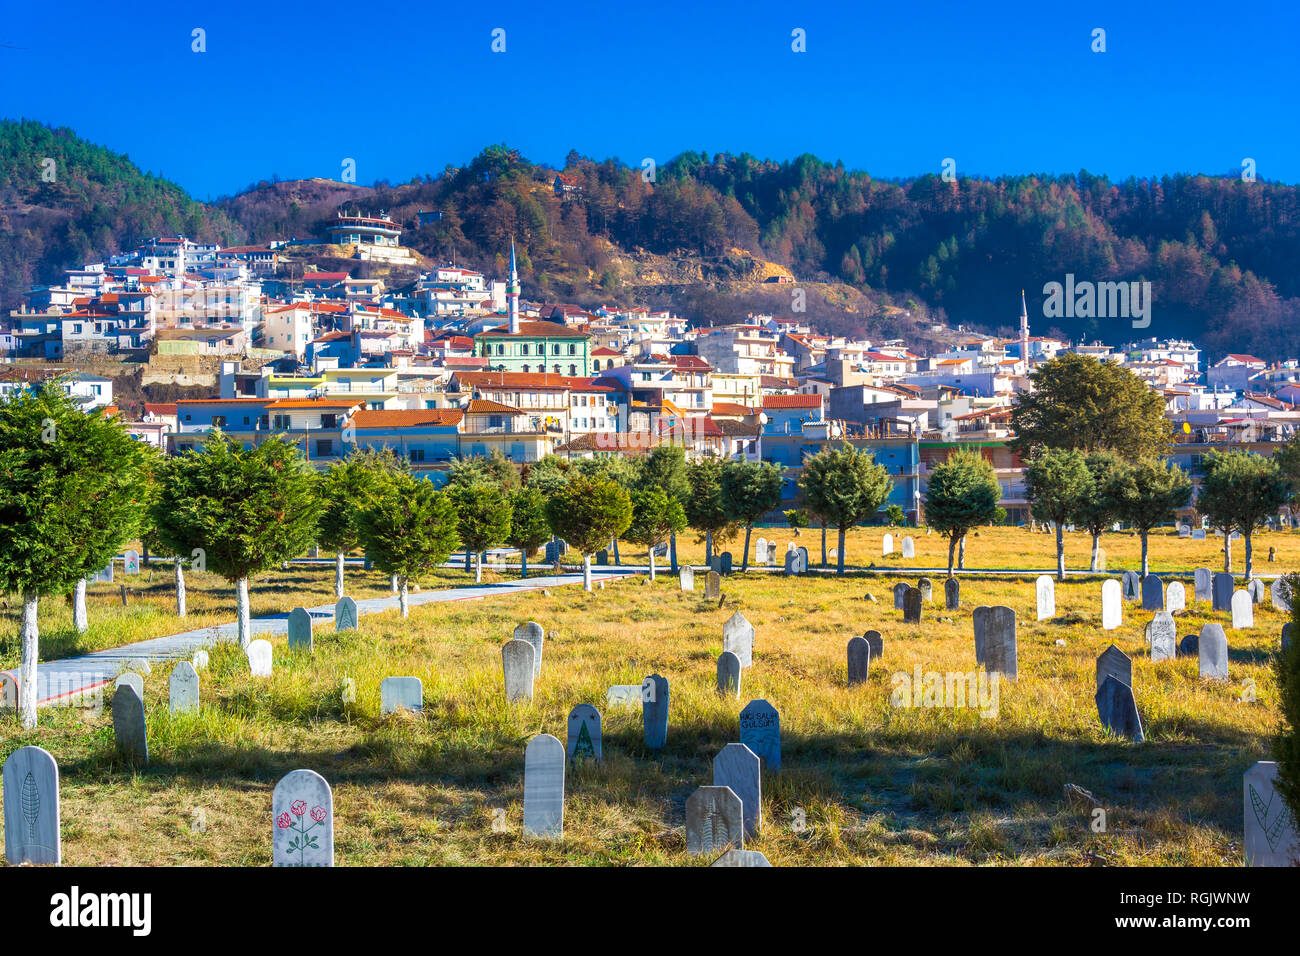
{"x": 738, "y": 767}
{"x": 623, "y": 695}
{"x": 714, "y": 821}
{"x": 131, "y": 678}
{"x": 734, "y": 857}
{"x": 688, "y": 578}
{"x": 302, "y": 820}
{"x": 1112, "y": 605}
{"x": 584, "y": 734}
{"x": 300, "y": 629}
{"x": 200, "y": 660}
{"x": 1212, "y": 652}
{"x": 1270, "y": 831}
{"x": 183, "y": 689}
{"x": 1163, "y": 636}
{"x": 1280, "y": 592}
{"x": 909, "y": 548}
{"x": 729, "y": 674}
{"x": 517, "y": 666}
{"x": 1175, "y": 597}
{"x": 738, "y": 637}
{"x": 544, "y": 787}
{"x": 131, "y": 562}
{"x": 400, "y": 693}
{"x": 259, "y": 658}
{"x": 345, "y": 614}
{"x": 31, "y": 801}
{"x": 1243, "y": 611}
{"x": 534, "y": 634}
{"x": 887, "y": 545}
{"x": 760, "y": 731}
{"x": 1045, "y": 592}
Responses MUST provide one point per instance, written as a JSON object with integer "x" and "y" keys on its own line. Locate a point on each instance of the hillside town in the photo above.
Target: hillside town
{"x": 457, "y": 364}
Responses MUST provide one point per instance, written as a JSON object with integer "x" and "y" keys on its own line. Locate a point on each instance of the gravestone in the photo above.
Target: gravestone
{"x": 1280, "y": 592}
{"x": 1203, "y": 584}
{"x": 601, "y": 558}
{"x": 1101, "y": 559}
{"x": 1198, "y": 534}
{"x": 259, "y": 657}
{"x": 729, "y": 674}
{"x": 1286, "y": 635}
{"x": 1153, "y": 593}
{"x": 714, "y": 821}
{"x": 760, "y": 551}
{"x": 738, "y": 637}
{"x": 1212, "y": 651}
{"x": 979, "y": 622}
{"x": 1132, "y": 586}
{"x": 715, "y": 564}
{"x": 760, "y": 731}
{"x": 534, "y": 634}
{"x": 1223, "y": 585}
{"x": 131, "y": 562}
{"x": 1255, "y": 588}
{"x": 899, "y": 590}
{"x": 1163, "y": 636}
{"x": 1118, "y": 710}
{"x": 623, "y": 695}
{"x": 926, "y": 587}
{"x": 1000, "y": 642}
{"x": 183, "y": 688}
{"x": 1270, "y": 831}
{"x": 654, "y": 711}
{"x": 1189, "y": 645}
{"x": 400, "y": 693}
{"x": 544, "y": 760}
{"x": 131, "y": 678}
{"x": 803, "y": 559}
{"x": 345, "y": 619}
{"x": 887, "y": 545}
{"x": 1175, "y": 597}
{"x": 1045, "y": 593}
{"x": 951, "y": 594}
{"x": 739, "y": 768}
{"x": 791, "y": 562}
{"x": 726, "y": 562}
{"x": 1243, "y": 611}
{"x": 912, "y": 606}
{"x": 300, "y": 629}
{"x": 741, "y": 858}
{"x": 31, "y": 800}
{"x": 200, "y": 660}
{"x": 909, "y": 548}
{"x": 128, "y": 724}
{"x": 519, "y": 668}
{"x": 1184, "y": 531}
{"x": 105, "y": 576}
{"x": 302, "y": 820}
{"x": 859, "y": 654}
{"x": 687, "y": 577}
{"x": 713, "y": 586}
{"x": 876, "y": 643}
{"x": 1114, "y": 663}
{"x": 8, "y": 692}
{"x": 583, "y": 742}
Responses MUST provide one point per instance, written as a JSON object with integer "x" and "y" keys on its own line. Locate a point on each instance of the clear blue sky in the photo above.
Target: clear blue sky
{"x": 292, "y": 88}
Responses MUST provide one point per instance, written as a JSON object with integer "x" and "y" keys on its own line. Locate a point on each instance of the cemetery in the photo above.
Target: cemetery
{"x": 644, "y": 723}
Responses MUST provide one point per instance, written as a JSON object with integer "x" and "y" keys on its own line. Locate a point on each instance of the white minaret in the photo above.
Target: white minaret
{"x": 512, "y": 292}
{"x": 1024, "y": 332}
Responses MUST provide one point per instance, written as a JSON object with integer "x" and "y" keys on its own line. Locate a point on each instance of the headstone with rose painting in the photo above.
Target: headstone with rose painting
{"x": 302, "y": 820}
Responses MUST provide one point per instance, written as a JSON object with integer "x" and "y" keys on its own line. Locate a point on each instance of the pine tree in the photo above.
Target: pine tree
{"x": 408, "y": 528}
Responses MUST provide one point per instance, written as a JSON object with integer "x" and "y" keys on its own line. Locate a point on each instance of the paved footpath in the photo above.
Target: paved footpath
{"x": 64, "y": 680}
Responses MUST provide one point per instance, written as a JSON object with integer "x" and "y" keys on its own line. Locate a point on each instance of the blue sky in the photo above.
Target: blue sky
{"x": 293, "y": 89}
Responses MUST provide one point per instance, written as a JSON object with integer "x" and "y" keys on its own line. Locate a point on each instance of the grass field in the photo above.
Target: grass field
{"x": 877, "y": 784}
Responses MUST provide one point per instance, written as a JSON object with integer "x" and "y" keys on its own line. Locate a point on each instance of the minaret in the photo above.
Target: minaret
{"x": 1024, "y": 332}
{"x": 512, "y": 292}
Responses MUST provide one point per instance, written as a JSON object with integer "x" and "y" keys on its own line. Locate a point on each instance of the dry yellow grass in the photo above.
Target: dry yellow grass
{"x": 877, "y": 784}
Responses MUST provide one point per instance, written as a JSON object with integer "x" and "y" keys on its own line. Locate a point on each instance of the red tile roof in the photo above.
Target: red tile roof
{"x": 792, "y": 401}
{"x": 407, "y": 417}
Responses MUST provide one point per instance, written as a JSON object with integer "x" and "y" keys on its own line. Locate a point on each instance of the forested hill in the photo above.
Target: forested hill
{"x": 1222, "y": 254}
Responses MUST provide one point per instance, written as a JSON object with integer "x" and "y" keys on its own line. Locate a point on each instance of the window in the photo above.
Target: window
{"x": 281, "y": 421}
{"x": 329, "y": 421}
{"x": 557, "y": 369}
{"x": 501, "y": 350}
{"x": 324, "y": 446}
{"x": 555, "y": 349}
{"x": 416, "y": 454}
{"x": 573, "y": 350}
{"x": 219, "y": 421}
{"x": 494, "y": 421}
{"x": 523, "y": 349}
{"x": 573, "y": 370}
{"x": 525, "y": 367}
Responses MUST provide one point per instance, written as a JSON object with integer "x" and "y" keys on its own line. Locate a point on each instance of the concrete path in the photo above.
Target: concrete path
{"x": 66, "y": 680}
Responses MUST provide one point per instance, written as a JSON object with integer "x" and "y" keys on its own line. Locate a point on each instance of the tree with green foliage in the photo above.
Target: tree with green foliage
{"x": 73, "y": 491}
{"x": 1057, "y": 482}
{"x": 961, "y": 494}
{"x": 484, "y": 517}
{"x": 408, "y": 528}
{"x": 665, "y": 468}
{"x": 703, "y": 502}
{"x": 1239, "y": 491}
{"x": 548, "y": 474}
{"x": 1082, "y": 403}
{"x": 1152, "y": 492}
{"x": 656, "y": 516}
{"x": 529, "y": 529}
{"x": 1099, "y": 510}
{"x": 1286, "y": 743}
{"x": 895, "y": 516}
{"x": 494, "y": 468}
{"x": 796, "y": 518}
{"x": 846, "y": 486}
{"x": 750, "y": 490}
{"x": 243, "y": 511}
{"x": 624, "y": 472}
{"x": 344, "y": 489}
{"x": 586, "y": 514}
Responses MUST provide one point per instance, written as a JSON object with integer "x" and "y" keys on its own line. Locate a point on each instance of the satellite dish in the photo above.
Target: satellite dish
{"x": 762, "y": 418}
